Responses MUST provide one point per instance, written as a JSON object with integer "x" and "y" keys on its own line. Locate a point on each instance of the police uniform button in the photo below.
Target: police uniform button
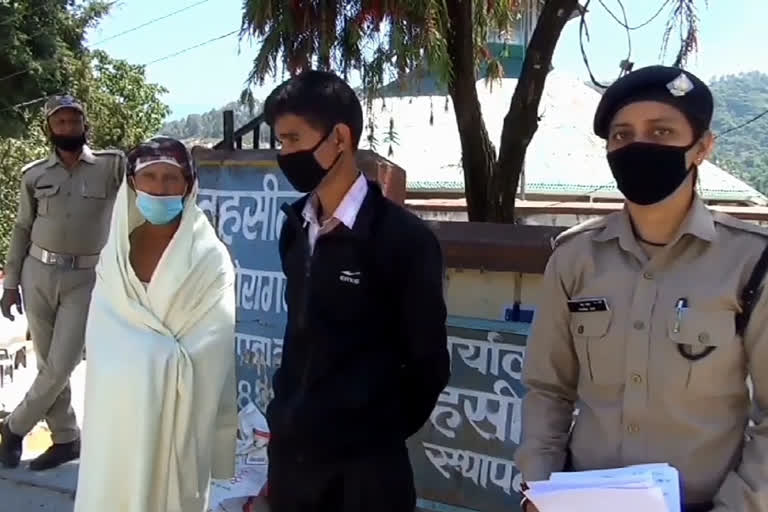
{"x": 580, "y": 329}
{"x": 638, "y": 325}
{"x": 648, "y": 275}
{"x": 637, "y": 378}
{"x": 704, "y": 337}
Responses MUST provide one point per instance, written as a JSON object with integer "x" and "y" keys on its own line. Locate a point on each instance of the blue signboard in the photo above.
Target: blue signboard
{"x": 462, "y": 457}
{"x": 244, "y": 207}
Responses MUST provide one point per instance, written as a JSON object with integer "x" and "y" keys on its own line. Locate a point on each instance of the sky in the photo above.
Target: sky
{"x": 214, "y": 74}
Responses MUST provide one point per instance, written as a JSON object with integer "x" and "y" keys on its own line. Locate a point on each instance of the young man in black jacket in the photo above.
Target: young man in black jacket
{"x": 364, "y": 355}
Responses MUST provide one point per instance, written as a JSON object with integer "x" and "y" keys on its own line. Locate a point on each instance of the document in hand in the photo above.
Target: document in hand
{"x": 643, "y": 488}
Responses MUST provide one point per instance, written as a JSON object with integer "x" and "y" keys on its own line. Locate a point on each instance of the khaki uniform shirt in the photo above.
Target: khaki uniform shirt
{"x": 62, "y": 210}
{"x": 637, "y": 399}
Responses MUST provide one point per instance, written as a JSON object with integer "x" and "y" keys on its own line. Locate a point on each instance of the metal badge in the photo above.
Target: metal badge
{"x": 680, "y": 86}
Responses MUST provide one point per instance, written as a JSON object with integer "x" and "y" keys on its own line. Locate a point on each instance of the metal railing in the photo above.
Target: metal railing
{"x": 233, "y": 139}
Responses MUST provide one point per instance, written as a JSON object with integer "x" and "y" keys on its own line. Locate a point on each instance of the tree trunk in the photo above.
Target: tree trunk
{"x": 522, "y": 119}
{"x": 478, "y": 153}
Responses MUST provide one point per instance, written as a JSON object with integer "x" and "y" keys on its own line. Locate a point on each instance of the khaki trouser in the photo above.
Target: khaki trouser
{"x": 57, "y": 302}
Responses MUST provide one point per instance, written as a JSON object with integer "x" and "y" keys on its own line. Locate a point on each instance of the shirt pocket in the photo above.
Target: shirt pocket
{"x": 600, "y": 357}
{"x": 93, "y": 188}
{"x": 44, "y": 194}
{"x": 721, "y": 371}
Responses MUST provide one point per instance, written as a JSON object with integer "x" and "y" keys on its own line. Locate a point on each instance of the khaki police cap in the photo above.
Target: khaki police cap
{"x": 56, "y": 103}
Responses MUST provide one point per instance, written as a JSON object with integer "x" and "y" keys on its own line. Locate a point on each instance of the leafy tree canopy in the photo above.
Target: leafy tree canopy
{"x": 739, "y": 99}
{"x": 384, "y": 40}
{"x": 41, "y": 52}
{"x": 123, "y": 108}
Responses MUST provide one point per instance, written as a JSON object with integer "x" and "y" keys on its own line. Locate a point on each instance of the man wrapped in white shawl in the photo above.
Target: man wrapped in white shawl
{"x": 160, "y": 413}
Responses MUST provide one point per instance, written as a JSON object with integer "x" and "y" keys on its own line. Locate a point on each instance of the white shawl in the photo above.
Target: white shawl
{"x": 160, "y": 411}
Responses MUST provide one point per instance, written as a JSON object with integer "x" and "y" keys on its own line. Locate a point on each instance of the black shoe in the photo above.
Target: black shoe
{"x": 10, "y": 447}
{"x": 56, "y": 455}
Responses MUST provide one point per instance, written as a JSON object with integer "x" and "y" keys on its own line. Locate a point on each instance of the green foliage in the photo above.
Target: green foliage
{"x": 739, "y": 98}
{"x": 386, "y": 40}
{"x": 42, "y": 53}
{"x": 380, "y": 39}
{"x": 123, "y": 109}
{"x": 14, "y": 154}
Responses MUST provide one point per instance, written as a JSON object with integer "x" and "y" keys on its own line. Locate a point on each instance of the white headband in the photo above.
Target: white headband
{"x": 143, "y": 162}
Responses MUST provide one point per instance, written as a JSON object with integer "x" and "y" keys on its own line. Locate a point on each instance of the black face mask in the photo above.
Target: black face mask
{"x": 68, "y": 142}
{"x": 648, "y": 173}
{"x": 302, "y": 169}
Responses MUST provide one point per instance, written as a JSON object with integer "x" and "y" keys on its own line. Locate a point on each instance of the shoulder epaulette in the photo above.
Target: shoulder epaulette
{"x": 733, "y": 222}
{"x": 589, "y": 225}
{"x": 112, "y": 152}
{"x": 33, "y": 164}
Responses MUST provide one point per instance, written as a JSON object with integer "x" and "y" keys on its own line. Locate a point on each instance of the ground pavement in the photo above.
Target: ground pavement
{"x": 23, "y": 490}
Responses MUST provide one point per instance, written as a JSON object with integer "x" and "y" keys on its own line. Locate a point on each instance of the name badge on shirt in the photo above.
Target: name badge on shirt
{"x": 588, "y": 305}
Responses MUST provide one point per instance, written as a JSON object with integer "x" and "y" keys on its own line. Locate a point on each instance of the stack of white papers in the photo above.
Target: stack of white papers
{"x": 643, "y": 488}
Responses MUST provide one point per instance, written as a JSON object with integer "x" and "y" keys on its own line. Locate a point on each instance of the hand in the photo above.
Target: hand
{"x": 11, "y": 297}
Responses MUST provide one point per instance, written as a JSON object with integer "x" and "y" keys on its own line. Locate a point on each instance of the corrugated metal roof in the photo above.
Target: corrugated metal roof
{"x": 564, "y": 157}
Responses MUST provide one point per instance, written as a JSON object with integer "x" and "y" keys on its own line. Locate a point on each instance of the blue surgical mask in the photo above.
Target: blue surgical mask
{"x": 159, "y": 210}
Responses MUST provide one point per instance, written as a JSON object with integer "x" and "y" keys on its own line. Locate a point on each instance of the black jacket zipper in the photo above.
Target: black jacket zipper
{"x": 307, "y": 261}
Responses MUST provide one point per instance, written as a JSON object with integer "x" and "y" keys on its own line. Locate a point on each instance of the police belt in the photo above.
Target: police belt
{"x": 57, "y": 259}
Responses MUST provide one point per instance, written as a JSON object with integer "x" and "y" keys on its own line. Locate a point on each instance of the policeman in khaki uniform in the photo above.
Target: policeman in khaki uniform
{"x": 62, "y": 224}
{"x": 644, "y": 320}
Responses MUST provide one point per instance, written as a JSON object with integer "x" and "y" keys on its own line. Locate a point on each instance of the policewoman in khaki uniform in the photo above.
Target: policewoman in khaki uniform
{"x": 643, "y": 324}
{"x": 65, "y": 207}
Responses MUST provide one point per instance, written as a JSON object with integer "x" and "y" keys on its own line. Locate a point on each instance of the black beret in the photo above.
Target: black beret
{"x": 673, "y": 86}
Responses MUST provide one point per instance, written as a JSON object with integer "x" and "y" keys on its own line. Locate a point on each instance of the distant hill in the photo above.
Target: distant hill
{"x": 744, "y": 153}
{"x": 208, "y": 128}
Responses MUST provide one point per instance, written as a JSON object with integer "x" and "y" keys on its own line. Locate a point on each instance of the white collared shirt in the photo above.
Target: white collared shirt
{"x": 346, "y": 212}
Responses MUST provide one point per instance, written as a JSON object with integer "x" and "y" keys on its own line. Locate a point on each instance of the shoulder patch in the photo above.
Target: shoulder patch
{"x": 738, "y": 224}
{"x": 589, "y": 225}
{"x": 34, "y": 164}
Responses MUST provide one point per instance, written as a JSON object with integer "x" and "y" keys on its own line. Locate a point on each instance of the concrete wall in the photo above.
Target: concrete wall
{"x": 482, "y": 294}
{"x": 528, "y": 220}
